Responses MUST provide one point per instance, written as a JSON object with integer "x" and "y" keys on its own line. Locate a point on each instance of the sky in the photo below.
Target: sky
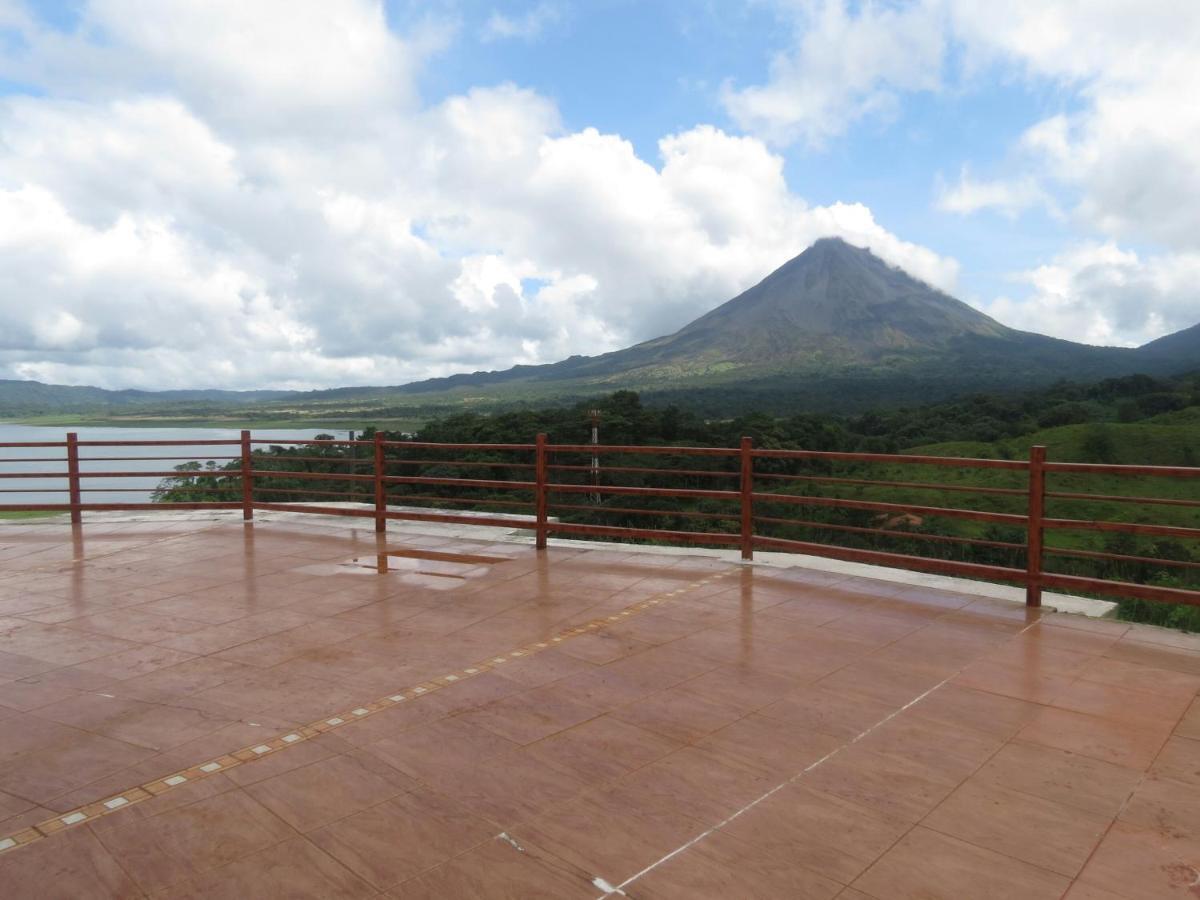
{"x": 318, "y": 193}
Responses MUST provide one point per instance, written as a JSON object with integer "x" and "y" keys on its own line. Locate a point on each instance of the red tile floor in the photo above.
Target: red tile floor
{"x": 203, "y": 709}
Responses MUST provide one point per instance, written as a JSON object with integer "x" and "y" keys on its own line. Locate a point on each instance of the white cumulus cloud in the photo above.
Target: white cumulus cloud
{"x": 218, "y": 193}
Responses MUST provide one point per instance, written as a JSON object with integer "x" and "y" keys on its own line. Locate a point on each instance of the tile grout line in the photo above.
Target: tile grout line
{"x": 619, "y": 889}
{"x": 222, "y": 763}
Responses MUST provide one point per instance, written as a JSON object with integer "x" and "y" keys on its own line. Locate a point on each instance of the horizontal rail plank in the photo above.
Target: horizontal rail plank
{"x": 307, "y": 442}
{"x": 723, "y": 517}
{"x": 460, "y": 482}
{"x": 687, "y": 537}
{"x": 357, "y": 512}
{"x": 428, "y": 445}
{"x": 703, "y": 473}
{"x": 304, "y": 476}
{"x": 1121, "y": 589}
{"x": 1121, "y": 557}
{"x": 1121, "y": 498}
{"x": 208, "y": 442}
{"x": 1113, "y": 469}
{"x": 192, "y": 458}
{"x": 615, "y": 448}
{"x": 694, "y": 493}
{"x": 920, "y": 485}
{"x": 898, "y": 508}
{"x": 894, "y": 458}
{"x": 459, "y": 519}
{"x": 917, "y": 535}
{"x": 895, "y": 560}
{"x": 1124, "y": 527}
{"x": 467, "y": 464}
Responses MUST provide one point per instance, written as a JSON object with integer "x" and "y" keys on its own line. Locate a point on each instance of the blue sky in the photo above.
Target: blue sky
{"x": 514, "y": 182}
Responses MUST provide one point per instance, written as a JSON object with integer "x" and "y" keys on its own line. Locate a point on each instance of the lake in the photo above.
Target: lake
{"x": 115, "y": 490}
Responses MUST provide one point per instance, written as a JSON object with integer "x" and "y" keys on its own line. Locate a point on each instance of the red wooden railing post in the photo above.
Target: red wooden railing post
{"x": 747, "y": 498}
{"x": 380, "y": 492}
{"x": 540, "y": 492}
{"x": 73, "y": 477}
{"x": 247, "y": 478}
{"x": 1037, "y": 512}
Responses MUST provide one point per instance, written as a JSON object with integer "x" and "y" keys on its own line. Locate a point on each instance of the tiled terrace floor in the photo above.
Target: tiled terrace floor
{"x": 739, "y": 733}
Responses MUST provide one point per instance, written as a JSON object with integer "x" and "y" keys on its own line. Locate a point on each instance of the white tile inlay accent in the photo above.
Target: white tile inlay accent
{"x": 115, "y": 803}
{"x": 261, "y": 749}
{"x": 419, "y": 690}
{"x": 210, "y": 767}
{"x": 73, "y": 818}
{"x": 471, "y": 671}
{"x": 336, "y": 720}
{"x": 361, "y": 711}
{"x": 7, "y": 844}
{"x": 174, "y": 780}
{"x": 291, "y": 738}
{"x": 397, "y": 698}
{"x": 452, "y": 678}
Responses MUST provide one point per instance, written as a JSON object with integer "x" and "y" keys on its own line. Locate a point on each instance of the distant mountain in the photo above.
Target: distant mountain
{"x": 33, "y": 396}
{"x": 1182, "y": 347}
{"x": 834, "y": 322}
{"x": 836, "y": 328}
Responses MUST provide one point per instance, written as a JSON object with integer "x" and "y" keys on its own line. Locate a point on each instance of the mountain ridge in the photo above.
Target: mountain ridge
{"x": 835, "y": 326}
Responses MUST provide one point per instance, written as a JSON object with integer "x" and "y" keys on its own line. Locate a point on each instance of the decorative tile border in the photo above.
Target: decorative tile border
{"x": 161, "y": 785}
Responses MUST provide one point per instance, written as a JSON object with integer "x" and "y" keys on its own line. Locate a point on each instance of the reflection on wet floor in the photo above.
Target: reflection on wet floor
{"x": 673, "y": 725}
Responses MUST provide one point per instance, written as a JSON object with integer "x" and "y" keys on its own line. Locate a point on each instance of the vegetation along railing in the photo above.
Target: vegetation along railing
{"x": 1000, "y": 520}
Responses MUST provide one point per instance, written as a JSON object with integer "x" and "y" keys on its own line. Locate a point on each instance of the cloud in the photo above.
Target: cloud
{"x": 1102, "y": 294}
{"x": 176, "y": 210}
{"x": 844, "y": 67}
{"x": 1007, "y": 196}
{"x": 1118, "y": 164}
{"x": 527, "y": 27}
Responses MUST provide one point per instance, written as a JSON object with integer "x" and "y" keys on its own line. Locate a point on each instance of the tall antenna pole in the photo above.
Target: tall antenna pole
{"x": 594, "y": 415}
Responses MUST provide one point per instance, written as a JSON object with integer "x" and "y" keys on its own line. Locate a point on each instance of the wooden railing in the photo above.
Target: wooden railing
{"x": 745, "y": 497}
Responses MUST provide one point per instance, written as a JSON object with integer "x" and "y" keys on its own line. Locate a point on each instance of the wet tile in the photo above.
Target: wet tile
{"x": 680, "y": 715}
{"x": 723, "y": 866}
{"x": 1144, "y": 863}
{"x": 513, "y": 787}
{"x": 1038, "y": 831}
{"x": 48, "y": 772}
{"x": 327, "y": 790}
{"x": 402, "y": 837}
{"x": 293, "y": 869}
{"x": 1112, "y": 702}
{"x": 532, "y": 715}
{"x": 830, "y": 712}
{"x": 1091, "y": 785}
{"x": 605, "y": 833}
{"x": 1034, "y": 685}
{"x": 1127, "y": 744}
{"x": 1165, "y": 805}
{"x": 819, "y": 831}
{"x": 704, "y": 785}
{"x": 495, "y": 870}
{"x": 931, "y": 866}
{"x": 165, "y": 849}
{"x": 602, "y": 749}
{"x": 1178, "y": 760}
{"x": 782, "y": 749}
{"x": 438, "y": 750}
{"x": 73, "y": 865}
{"x": 891, "y": 786}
